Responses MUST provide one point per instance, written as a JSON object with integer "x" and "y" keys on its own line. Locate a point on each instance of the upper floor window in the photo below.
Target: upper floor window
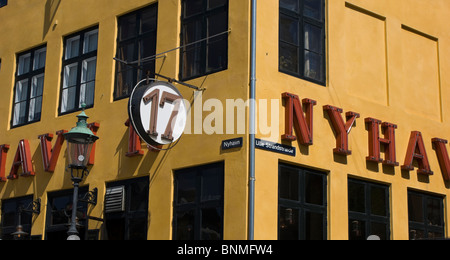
{"x": 136, "y": 40}
{"x": 29, "y": 87}
{"x": 3, "y": 3}
{"x": 302, "y": 39}
{"x": 79, "y": 70}
{"x": 202, "y": 19}
{"x": 426, "y": 216}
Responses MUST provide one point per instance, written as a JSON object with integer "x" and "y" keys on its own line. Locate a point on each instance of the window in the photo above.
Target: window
{"x": 198, "y": 203}
{"x": 129, "y": 221}
{"x": 202, "y": 19}
{"x": 136, "y": 40}
{"x": 29, "y": 87}
{"x": 59, "y": 213}
{"x": 368, "y": 210}
{"x": 426, "y": 216}
{"x": 79, "y": 70}
{"x": 302, "y": 39}
{"x": 3, "y": 3}
{"x": 302, "y": 212}
{"x": 10, "y": 216}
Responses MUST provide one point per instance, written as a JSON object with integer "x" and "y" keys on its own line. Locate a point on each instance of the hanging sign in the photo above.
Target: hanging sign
{"x": 157, "y": 112}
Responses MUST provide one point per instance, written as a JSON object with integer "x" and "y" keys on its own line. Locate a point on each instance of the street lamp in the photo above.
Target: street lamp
{"x": 79, "y": 145}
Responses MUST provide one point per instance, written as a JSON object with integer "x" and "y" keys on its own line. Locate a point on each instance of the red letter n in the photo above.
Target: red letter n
{"x": 296, "y": 119}
{"x": 3, "y": 152}
{"x": 22, "y": 158}
{"x": 50, "y": 156}
{"x": 416, "y": 151}
{"x": 375, "y": 142}
{"x": 442, "y": 155}
{"x": 341, "y": 128}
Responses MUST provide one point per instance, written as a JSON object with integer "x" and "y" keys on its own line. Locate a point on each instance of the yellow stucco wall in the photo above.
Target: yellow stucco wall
{"x": 384, "y": 59}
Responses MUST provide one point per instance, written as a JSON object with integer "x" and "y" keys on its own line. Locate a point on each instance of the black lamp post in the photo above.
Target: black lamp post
{"x": 79, "y": 145}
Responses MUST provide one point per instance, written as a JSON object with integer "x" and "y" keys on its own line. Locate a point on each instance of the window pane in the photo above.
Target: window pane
{"x": 24, "y": 64}
{"x": 127, "y": 27}
{"x": 357, "y": 229}
{"x": 212, "y": 185}
{"x": 90, "y": 41}
{"x": 434, "y": 212}
{"x": 138, "y": 229}
{"x": 39, "y": 59}
{"x": 149, "y": 19}
{"x": 313, "y": 9}
{"x": 186, "y": 187}
{"x": 19, "y": 113}
{"x": 313, "y": 38}
{"x": 314, "y": 189}
{"x": 313, "y": 66}
{"x": 212, "y": 224}
{"x": 21, "y": 90}
{"x": 70, "y": 75}
{"x": 185, "y": 225}
{"x": 216, "y": 3}
{"x": 356, "y": 197}
{"x": 379, "y": 229}
{"x": 289, "y": 58}
{"x": 68, "y": 99}
{"x": 139, "y": 196}
{"x": 192, "y": 7}
{"x": 288, "y": 224}
{"x": 415, "y": 208}
{"x": 289, "y": 29}
{"x": 72, "y": 47}
{"x": 378, "y": 201}
{"x": 291, "y": 5}
{"x": 289, "y": 184}
{"x": 314, "y": 226}
{"x": 217, "y": 46}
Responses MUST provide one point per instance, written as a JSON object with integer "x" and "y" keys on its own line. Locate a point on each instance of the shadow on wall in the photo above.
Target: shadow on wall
{"x": 51, "y": 7}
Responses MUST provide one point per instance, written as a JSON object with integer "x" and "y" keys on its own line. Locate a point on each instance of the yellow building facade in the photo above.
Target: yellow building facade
{"x": 382, "y": 60}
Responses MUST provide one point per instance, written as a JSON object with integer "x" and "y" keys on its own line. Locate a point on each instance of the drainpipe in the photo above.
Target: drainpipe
{"x": 251, "y": 202}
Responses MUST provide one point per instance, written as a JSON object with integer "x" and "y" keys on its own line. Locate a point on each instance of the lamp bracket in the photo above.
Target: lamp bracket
{"x": 90, "y": 197}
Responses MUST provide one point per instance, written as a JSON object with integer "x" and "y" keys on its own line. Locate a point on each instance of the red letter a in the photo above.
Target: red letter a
{"x": 3, "y": 151}
{"x": 22, "y": 158}
{"x": 416, "y": 151}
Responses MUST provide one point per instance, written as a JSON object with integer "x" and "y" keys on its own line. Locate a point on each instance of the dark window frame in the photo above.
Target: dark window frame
{"x": 137, "y": 70}
{"x": 50, "y": 227}
{"x": 202, "y": 17}
{"x": 301, "y": 204}
{"x": 198, "y": 205}
{"x": 32, "y": 73}
{"x": 129, "y": 215}
{"x": 368, "y": 216}
{"x": 414, "y": 225}
{"x": 78, "y": 60}
{"x": 26, "y": 218}
{"x": 302, "y": 20}
{"x": 3, "y": 3}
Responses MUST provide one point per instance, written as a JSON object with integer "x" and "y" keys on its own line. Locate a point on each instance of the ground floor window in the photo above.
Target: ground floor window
{"x": 59, "y": 213}
{"x": 302, "y": 212}
{"x": 198, "y": 203}
{"x": 368, "y": 210}
{"x": 426, "y": 216}
{"x": 126, "y": 209}
{"x": 13, "y": 215}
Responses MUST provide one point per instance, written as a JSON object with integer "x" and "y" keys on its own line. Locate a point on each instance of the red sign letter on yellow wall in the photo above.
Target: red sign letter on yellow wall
{"x": 134, "y": 141}
{"x": 341, "y": 128}
{"x": 50, "y": 156}
{"x": 375, "y": 142}
{"x": 22, "y": 158}
{"x": 416, "y": 151}
{"x": 295, "y": 118}
{"x": 3, "y": 151}
{"x": 442, "y": 155}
